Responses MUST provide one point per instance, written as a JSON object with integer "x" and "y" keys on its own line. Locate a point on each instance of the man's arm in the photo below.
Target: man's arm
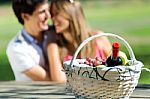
{"x": 37, "y": 73}
{"x": 22, "y": 62}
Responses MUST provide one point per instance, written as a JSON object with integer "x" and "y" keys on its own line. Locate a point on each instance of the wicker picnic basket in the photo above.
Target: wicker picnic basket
{"x": 102, "y": 83}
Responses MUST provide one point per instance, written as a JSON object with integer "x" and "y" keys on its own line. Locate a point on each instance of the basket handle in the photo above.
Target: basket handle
{"x": 99, "y": 35}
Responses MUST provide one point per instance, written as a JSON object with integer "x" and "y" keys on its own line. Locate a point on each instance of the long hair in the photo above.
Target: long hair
{"x": 77, "y": 24}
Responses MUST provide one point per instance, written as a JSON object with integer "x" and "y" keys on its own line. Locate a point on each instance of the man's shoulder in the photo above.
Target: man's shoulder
{"x": 17, "y": 44}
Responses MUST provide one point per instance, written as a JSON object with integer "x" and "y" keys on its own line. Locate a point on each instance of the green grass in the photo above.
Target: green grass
{"x": 5, "y": 68}
{"x": 120, "y": 18}
{"x": 130, "y": 19}
{"x": 9, "y": 26}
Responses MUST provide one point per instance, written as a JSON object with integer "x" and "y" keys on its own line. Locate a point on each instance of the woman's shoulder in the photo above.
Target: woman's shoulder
{"x": 51, "y": 34}
{"x": 50, "y": 31}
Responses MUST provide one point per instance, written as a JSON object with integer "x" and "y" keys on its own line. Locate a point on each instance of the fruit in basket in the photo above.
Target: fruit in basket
{"x": 93, "y": 62}
{"x": 100, "y": 66}
{"x": 123, "y": 57}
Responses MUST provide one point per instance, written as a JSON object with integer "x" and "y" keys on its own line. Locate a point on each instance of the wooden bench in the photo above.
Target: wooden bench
{"x": 51, "y": 90}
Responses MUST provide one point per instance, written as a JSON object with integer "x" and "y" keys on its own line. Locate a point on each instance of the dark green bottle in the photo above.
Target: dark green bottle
{"x": 114, "y": 59}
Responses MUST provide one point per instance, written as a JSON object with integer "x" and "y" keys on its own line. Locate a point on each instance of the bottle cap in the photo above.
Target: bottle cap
{"x": 116, "y": 45}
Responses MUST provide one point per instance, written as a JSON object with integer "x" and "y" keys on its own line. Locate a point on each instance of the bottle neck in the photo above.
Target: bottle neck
{"x": 115, "y": 53}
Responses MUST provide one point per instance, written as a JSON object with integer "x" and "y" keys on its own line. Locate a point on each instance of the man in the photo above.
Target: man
{"x": 27, "y": 51}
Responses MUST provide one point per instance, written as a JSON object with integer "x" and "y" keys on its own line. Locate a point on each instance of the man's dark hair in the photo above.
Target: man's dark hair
{"x": 25, "y": 6}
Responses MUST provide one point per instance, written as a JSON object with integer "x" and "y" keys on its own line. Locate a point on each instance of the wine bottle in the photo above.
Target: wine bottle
{"x": 114, "y": 59}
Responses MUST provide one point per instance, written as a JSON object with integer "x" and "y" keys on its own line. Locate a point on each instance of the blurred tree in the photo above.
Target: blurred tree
{"x": 4, "y": 1}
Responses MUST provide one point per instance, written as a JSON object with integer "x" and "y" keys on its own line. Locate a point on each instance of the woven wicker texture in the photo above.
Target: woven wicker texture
{"x": 93, "y": 88}
{"x": 102, "y": 83}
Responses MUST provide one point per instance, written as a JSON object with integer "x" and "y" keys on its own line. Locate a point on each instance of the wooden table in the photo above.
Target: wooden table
{"x": 52, "y": 90}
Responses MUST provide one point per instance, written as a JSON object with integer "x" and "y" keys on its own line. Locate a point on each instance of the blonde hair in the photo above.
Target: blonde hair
{"x": 77, "y": 24}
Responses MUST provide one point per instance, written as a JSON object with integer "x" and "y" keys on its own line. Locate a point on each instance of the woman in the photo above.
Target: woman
{"x": 71, "y": 29}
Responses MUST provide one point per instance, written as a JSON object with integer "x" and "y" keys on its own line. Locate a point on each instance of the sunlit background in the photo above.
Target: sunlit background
{"x": 127, "y": 18}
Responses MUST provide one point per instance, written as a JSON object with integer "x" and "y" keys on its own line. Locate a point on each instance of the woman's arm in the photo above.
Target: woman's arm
{"x": 55, "y": 66}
